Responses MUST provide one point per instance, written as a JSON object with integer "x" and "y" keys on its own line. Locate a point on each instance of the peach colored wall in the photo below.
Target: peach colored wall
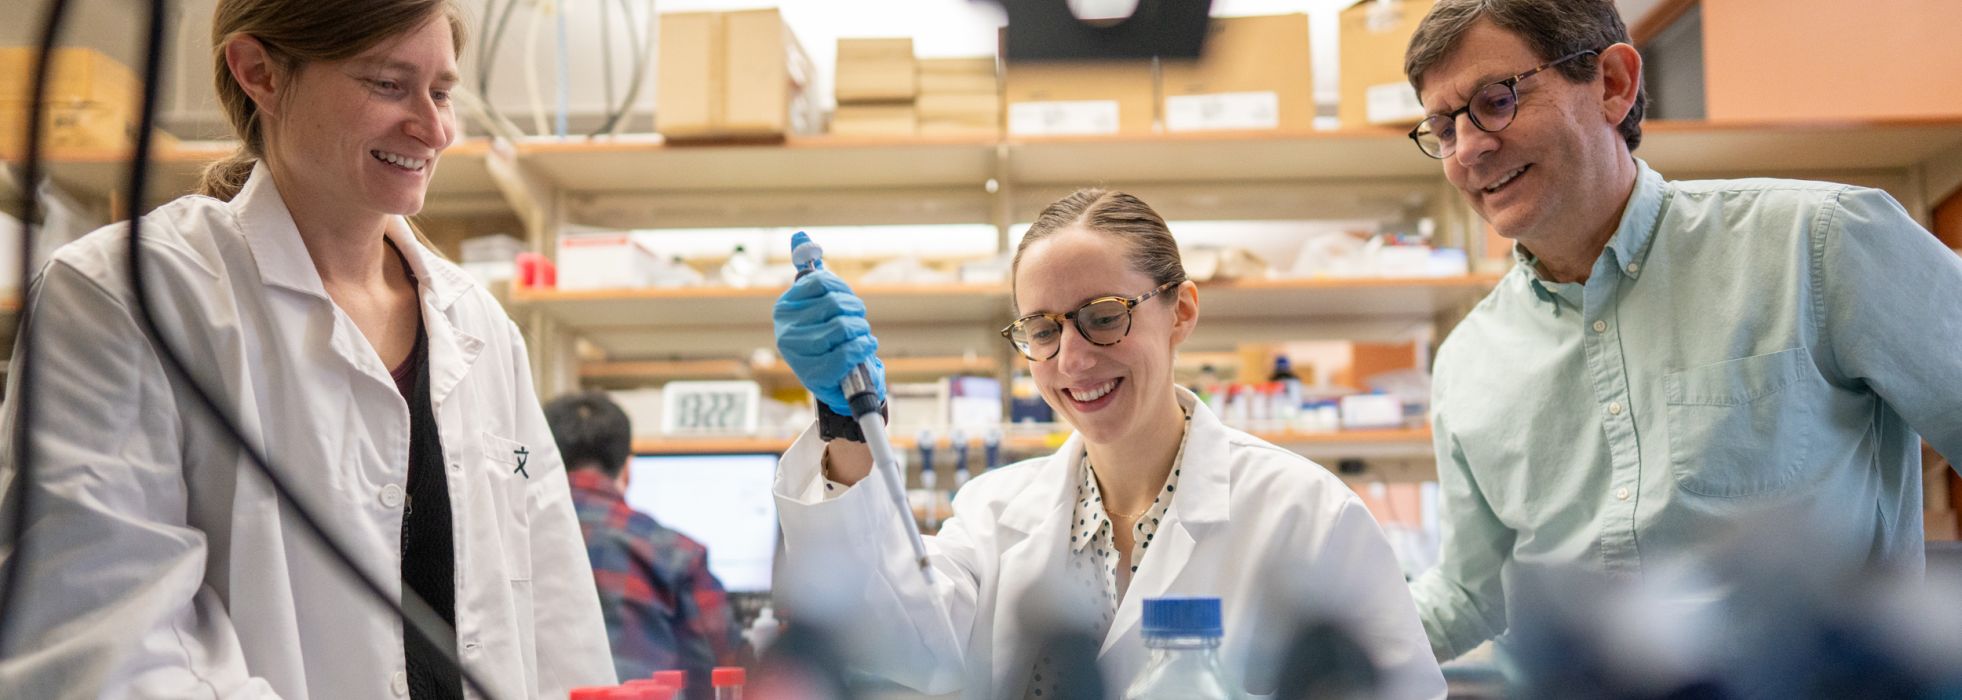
{"x": 1815, "y": 60}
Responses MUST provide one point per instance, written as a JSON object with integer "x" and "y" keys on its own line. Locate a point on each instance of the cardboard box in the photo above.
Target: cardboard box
{"x": 78, "y": 75}
{"x": 1374, "y": 37}
{"x": 959, "y": 75}
{"x": 985, "y": 107}
{"x": 1081, "y": 98}
{"x": 605, "y": 261}
{"x": 876, "y": 70}
{"x": 75, "y": 126}
{"x": 1255, "y": 74}
{"x": 886, "y": 119}
{"x": 732, "y": 74}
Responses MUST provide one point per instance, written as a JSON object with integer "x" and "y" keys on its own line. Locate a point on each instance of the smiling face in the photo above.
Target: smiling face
{"x": 1107, "y": 393}
{"x": 1553, "y": 171}
{"x": 364, "y": 134}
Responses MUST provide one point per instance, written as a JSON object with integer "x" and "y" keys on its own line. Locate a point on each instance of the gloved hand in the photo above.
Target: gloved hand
{"x": 822, "y": 334}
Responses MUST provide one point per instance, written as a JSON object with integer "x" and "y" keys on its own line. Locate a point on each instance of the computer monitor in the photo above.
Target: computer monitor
{"x": 723, "y": 501}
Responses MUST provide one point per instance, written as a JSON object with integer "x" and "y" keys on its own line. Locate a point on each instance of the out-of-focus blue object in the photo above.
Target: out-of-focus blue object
{"x": 1183, "y": 635}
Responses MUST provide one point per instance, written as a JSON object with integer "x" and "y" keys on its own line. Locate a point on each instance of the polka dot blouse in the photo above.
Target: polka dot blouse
{"x": 1092, "y": 571}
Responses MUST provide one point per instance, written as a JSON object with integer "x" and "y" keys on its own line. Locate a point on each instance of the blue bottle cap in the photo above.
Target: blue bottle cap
{"x": 1182, "y": 617}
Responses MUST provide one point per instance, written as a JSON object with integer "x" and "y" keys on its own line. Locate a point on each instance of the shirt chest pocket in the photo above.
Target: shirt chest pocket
{"x": 1740, "y": 427}
{"x": 508, "y": 465}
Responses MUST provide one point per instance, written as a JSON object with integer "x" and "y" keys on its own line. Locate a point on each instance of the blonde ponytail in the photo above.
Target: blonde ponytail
{"x": 223, "y": 179}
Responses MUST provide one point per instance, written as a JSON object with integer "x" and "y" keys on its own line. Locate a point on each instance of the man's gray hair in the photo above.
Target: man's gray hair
{"x": 1551, "y": 28}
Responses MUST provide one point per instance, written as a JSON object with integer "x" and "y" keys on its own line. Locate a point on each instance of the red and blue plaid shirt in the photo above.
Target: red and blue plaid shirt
{"x": 663, "y": 608}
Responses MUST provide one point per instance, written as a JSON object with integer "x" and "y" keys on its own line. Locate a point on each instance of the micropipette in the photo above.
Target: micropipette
{"x": 863, "y": 398}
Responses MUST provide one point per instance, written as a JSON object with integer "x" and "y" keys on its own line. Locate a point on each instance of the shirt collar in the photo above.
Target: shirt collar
{"x": 592, "y": 479}
{"x": 283, "y": 260}
{"x": 1638, "y": 221}
{"x": 1089, "y": 519}
{"x": 1626, "y": 249}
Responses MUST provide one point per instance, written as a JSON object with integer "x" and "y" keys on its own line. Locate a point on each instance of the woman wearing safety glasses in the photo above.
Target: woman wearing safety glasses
{"x": 1150, "y": 496}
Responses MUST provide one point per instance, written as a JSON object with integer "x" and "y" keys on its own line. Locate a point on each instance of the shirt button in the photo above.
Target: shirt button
{"x": 1621, "y": 494}
{"x": 1634, "y": 267}
{"x": 399, "y": 683}
{"x": 1600, "y": 326}
{"x": 1614, "y": 408}
{"x": 391, "y": 496}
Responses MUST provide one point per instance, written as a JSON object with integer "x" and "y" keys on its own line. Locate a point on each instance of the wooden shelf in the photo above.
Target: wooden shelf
{"x": 801, "y": 179}
{"x": 1075, "y": 161}
{"x": 1688, "y": 149}
{"x": 1676, "y": 148}
{"x": 724, "y": 322}
{"x": 641, "y": 163}
{"x": 1332, "y": 297}
{"x": 461, "y": 183}
{"x": 1412, "y": 444}
{"x": 940, "y": 320}
{"x": 643, "y": 372}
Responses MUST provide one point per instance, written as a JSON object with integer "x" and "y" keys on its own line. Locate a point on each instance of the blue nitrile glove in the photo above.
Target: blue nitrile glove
{"x": 822, "y": 334}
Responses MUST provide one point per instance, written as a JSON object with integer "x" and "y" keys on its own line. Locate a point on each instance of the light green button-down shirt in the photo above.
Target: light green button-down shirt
{"x": 1745, "y": 353}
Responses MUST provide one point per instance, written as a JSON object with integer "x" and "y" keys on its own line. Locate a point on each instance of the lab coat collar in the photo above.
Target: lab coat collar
{"x": 269, "y": 231}
{"x": 1201, "y": 504}
{"x": 1202, "y": 499}
{"x": 284, "y": 262}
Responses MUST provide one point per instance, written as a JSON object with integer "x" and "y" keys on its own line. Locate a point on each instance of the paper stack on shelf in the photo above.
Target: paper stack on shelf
{"x": 91, "y": 101}
{"x": 959, "y": 97}
{"x": 877, "y": 81}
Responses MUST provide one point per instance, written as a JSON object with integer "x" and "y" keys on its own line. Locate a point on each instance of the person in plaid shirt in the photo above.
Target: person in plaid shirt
{"x": 663, "y": 608}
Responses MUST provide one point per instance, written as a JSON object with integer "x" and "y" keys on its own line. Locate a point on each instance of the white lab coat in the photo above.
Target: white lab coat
{"x": 160, "y": 563}
{"x": 1272, "y": 534}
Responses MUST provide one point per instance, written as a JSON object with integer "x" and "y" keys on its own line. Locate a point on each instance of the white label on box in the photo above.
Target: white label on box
{"x": 1223, "y": 111}
{"x": 1074, "y": 117}
{"x": 1393, "y": 103}
{"x": 1383, "y": 16}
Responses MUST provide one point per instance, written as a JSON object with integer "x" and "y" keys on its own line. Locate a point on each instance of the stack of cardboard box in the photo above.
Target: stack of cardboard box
{"x": 91, "y": 101}
{"x": 1254, "y": 75}
{"x": 877, "y": 81}
{"x": 1374, "y": 36}
{"x": 732, "y": 75}
{"x": 959, "y": 97}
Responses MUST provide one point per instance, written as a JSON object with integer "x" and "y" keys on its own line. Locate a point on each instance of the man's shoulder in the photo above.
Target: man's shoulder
{"x": 1762, "y": 194}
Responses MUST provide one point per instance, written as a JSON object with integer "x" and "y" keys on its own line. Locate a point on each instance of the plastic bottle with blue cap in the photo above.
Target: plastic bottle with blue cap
{"x": 1183, "y": 636}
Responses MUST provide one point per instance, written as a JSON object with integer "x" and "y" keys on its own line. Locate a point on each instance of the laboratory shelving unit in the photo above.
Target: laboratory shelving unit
{"x": 631, "y": 337}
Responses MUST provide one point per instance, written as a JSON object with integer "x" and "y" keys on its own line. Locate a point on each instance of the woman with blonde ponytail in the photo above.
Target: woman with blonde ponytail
{"x": 390, "y": 392}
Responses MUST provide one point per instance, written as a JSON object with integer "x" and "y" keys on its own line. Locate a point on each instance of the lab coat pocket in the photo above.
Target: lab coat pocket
{"x": 1738, "y": 427}
{"x": 509, "y": 462}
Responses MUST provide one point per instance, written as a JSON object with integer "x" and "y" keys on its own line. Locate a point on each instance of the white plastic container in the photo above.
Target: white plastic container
{"x": 1183, "y": 636}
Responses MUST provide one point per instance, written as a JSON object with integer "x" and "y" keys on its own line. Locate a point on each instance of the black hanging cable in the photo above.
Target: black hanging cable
{"x": 643, "y": 43}
{"x": 487, "y": 51}
{"x": 416, "y": 613}
{"x": 23, "y": 360}
{"x": 606, "y": 48}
